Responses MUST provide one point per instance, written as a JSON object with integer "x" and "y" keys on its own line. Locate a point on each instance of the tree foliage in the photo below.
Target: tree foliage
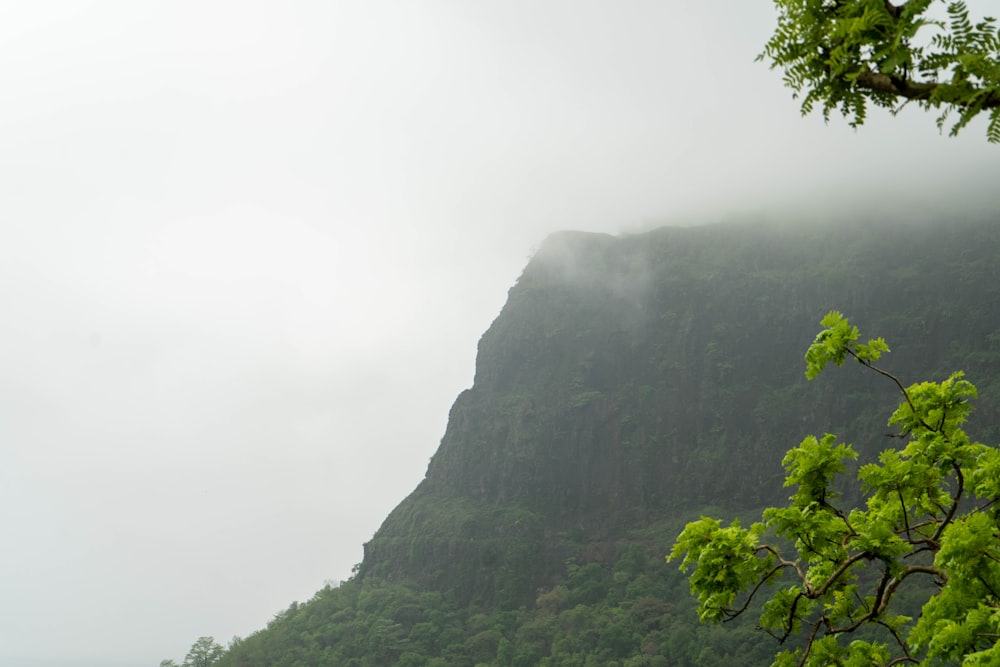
{"x": 839, "y": 55}
{"x": 929, "y": 527}
{"x": 205, "y": 652}
{"x": 629, "y": 613}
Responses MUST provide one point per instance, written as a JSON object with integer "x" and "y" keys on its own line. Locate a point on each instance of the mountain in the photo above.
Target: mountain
{"x": 629, "y": 384}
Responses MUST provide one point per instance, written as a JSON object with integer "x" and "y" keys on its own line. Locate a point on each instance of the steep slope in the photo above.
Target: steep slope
{"x": 628, "y": 385}
{"x": 629, "y": 380}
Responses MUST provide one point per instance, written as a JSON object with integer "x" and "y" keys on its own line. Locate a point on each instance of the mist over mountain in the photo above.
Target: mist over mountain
{"x": 629, "y": 384}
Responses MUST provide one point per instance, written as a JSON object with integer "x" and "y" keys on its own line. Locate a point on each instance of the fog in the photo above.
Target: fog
{"x": 247, "y": 250}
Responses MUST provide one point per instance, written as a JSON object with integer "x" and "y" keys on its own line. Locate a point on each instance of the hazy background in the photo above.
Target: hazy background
{"x": 247, "y": 250}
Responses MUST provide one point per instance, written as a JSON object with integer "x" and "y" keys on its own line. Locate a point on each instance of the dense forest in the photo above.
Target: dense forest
{"x": 629, "y": 385}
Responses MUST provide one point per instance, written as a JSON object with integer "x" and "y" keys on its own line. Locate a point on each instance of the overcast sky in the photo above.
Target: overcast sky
{"x": 247, "y": 250}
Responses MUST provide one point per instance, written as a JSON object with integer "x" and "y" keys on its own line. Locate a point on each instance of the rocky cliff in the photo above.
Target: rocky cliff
{"x": 631, "y": 380}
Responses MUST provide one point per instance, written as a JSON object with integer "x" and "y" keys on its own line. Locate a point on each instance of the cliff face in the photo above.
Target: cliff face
{"x": 629, "y": 380}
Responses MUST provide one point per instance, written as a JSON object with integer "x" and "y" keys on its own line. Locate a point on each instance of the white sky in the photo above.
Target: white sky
{"x": 247, "y": 250}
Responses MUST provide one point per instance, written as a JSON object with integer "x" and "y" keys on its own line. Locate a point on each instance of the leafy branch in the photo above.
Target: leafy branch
{"x": 839, "y": 55}
{"x": 847, "y": 567}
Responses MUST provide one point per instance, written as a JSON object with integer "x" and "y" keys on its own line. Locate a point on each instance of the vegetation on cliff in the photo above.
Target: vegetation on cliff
{"x": 644, "y": 377}
{"x": 630, "y": 385}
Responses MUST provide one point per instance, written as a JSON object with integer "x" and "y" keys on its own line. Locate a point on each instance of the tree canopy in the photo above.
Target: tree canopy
{"x": 928, "y": 531}
{"x": 839, "y": 55}
{"x": 204, "y": 652}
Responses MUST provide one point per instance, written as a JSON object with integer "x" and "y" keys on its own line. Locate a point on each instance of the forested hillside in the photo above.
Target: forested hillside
{"x": 630, "y": 384}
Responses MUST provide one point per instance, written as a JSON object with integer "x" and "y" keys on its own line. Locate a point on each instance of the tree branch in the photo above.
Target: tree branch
{"x": 902, "y": 389}
{"x": 906, "y": 657}
{"x": 733, "y": 613}
{"x": 895, "y": 10}
{"x": 954, "y": 503}
{"x": 782, "y": 561}
{"x": 906, "y": 520}
{"x": 809, "y": 644}
{"x": 911, "y": 90}
{"x": 844, "y": 566}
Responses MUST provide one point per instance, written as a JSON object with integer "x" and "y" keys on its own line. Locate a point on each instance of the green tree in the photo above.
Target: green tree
{"x": 842, "y": 54}
{"x": 204, "y": 652}
{"x": 928, "y": 530}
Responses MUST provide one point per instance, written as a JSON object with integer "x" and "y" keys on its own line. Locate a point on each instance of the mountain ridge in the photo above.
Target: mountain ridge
{"x": 628, "y": 385}
{"x": 622, "y": 381}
